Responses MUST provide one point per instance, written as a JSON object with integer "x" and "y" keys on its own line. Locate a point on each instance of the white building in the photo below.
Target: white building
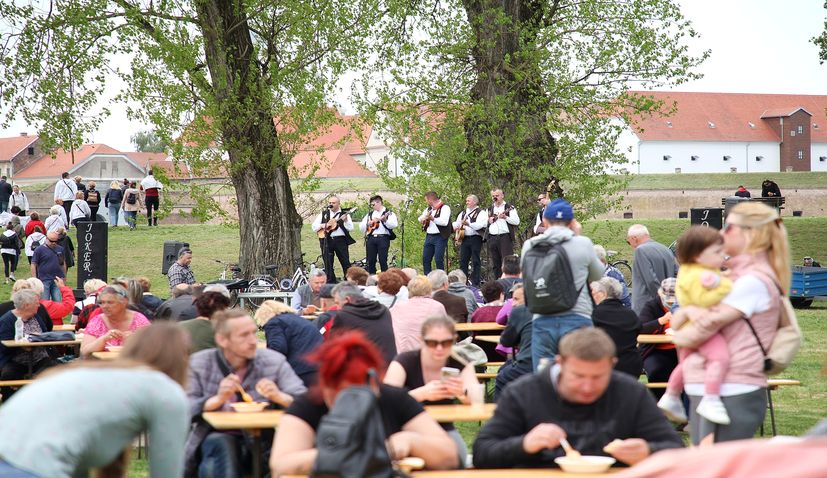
{"x": 729, "y": 132}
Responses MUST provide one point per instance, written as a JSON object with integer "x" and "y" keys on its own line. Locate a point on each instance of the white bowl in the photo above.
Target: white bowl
{"x": 585, "y": 464}
{"x": 245, "y": 407}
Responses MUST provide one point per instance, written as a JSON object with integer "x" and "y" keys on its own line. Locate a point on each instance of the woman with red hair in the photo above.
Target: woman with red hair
{"x": 345, "y": 360}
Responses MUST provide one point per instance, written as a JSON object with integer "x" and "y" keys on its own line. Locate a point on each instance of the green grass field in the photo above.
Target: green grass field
{"x": 752, "y": 181}
{"x": 798, "y": 408}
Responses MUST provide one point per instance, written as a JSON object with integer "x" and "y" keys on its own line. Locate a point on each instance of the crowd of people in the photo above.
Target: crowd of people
{"x": 569, "y": 374}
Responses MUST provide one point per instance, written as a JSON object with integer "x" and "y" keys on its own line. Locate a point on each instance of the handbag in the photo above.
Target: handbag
{"x": 787, "y": 340}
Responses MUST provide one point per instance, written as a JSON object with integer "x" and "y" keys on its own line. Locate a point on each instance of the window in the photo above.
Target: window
{"x": 115, "y": 173}
{"x": 800, "y": 154}
{"x": 792, "y": 132}
{"x": 30, "y": 151}
{"x": 800, "y": 129}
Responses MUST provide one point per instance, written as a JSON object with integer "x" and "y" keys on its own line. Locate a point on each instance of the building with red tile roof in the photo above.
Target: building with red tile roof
{"x": 724, "y": 132}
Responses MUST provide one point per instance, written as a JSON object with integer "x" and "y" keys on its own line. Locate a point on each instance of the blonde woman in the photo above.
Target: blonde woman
{"x": 755, "y": 239}
{"x": 293, "y": 336}
{"x": 113, "y": 200}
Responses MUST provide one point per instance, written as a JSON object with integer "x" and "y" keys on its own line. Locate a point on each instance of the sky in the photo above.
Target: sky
{"x": 757, "y": 46}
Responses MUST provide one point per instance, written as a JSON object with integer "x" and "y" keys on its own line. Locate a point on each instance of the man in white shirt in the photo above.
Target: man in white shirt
{"x": 501, "y": 218}
{"x": 378, "y": 226}
{"x": 473, "y": 221}
{"x": 435, "y": 220}
{"x": 65, "y": 190}
{"x": 539, "y": 227}
{"x": 333, "y": 226}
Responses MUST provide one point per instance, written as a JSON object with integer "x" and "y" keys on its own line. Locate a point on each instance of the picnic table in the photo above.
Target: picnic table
{"x": 64, "y": 328}
{"x": 29, "y": 346}
{"x": 655, "y": 339}
{"x": 106, "y": 355}
{"x": 461, "y": 412}
{"x": 252, "y": 423}
{"x": 479, "y": 327}
{"x": 274, "y": 295}
{"x": 494, "y": 339}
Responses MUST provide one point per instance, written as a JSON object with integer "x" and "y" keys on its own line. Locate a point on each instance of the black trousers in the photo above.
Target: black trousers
{"x": 470, "y": 250}
{"x": 499, "y": 246}
{"x": 335, "y": 246}
{"x": 152, "y": 202}
{"x": 67, "y": 206}
{"x": 377, "y": 246}
{"x": 658, "y": 366}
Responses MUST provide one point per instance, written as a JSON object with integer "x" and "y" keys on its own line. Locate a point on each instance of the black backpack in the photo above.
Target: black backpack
{"x": 131, "y": 198}
{"x": 351, "y": 438}
{"x": 547, "y": 279}
{"x": 34, "y": 245}
{"x": 8, "y": 242}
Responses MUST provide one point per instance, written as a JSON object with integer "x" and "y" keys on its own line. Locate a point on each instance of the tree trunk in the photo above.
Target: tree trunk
{"x": 505, "y": 128}
{"x": 269, "y": 223}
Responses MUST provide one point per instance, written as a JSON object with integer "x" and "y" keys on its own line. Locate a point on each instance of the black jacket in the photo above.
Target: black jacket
{"x": 5, "y": 191}
{"x": 178, "y": 309}
{"x": 625, "y": 410}
{"x": 373, "y": 319}
{"x": 517, "y": 334}
{"x": 623, "y": 326}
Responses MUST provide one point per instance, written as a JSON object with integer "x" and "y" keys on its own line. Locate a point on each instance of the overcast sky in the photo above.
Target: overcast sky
{"x": 758, "y": 46}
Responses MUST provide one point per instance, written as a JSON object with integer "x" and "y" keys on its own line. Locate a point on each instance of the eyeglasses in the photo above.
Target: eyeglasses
{"x": 432, "y": 344}
{"x": 728, "y": 226}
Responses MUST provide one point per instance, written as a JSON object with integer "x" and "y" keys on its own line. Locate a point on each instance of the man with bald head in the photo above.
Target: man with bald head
{"x": 48, "y": 263}
{"x": 473, "y": 221}
{"x": 653, "y": 262}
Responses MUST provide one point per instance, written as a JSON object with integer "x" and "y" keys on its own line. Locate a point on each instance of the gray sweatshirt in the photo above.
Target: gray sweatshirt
{"x": 653, "y": 263}
{"x": 585, "y": 266}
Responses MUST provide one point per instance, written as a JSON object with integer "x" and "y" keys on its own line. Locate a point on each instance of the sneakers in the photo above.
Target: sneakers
{"x": 713, "y": 409}
{"x": 672, "y": 407}
{"x": 11, "y": 276}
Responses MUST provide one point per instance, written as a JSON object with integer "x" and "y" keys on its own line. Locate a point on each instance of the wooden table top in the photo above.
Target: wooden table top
{"x": 26, "y": 343}
{"x": 64, "y": 328}
{"x": 494, "y": 339}
{"x": 655, "y": 339}
{"x": 106, "y": 355}
{"x": 510, "y": 473}
{"x": 478, "y": 327}
{"x": 244, "y": 421}
{"x": 461, "y": 413}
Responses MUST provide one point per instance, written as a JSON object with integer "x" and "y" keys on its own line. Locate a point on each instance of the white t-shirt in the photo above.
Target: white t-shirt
{"x": 750, "y": 296}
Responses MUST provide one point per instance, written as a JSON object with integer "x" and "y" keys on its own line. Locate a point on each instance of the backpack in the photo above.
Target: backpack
{"x": 8, "y": 242}
{"x": 34, "y": 245}
{"x": 787, "y": 340}
{"x": 351, "y": 438}
{"x": 85, "y": 315}
{"x": 131, "y": 198}
{"x": 93, "y": 198}
{"x": 547, "y": 278}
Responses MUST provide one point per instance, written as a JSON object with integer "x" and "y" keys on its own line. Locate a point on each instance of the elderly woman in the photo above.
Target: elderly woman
{"x": 112, "y": 200}
{"x": 136, "y": 296}
{"x": 409, "y": 316}
{"x": 388, "y": 286}
{"x": 114, "y": 325}
{"x": 756, "y": 241}
{"x": 56, "y": 311}
{"x": 34, "y": 221}
{"x": 290, "y": 335}
{"x": 139, "y": 392}
{"x": 15, "y": 362}
{"x": 420, "y": 372}
{"x": 613, "y": 272}
{"x": 55, "y": 220}
{"x": 200, "y": 329}
{"x": 345, "y": 360}
{"x": 655, "y": 318}
{"x": 619, "y": 321}
{"x": 80, "y": 209}
{"x": 90, "y": 289}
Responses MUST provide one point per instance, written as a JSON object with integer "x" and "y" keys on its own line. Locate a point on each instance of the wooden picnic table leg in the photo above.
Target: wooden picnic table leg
{"x": 256, "y": 452}
{"x": 772, "y": 410}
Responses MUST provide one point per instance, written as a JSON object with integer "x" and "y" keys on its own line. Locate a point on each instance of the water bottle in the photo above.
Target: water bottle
{"x": 18, "y": 330}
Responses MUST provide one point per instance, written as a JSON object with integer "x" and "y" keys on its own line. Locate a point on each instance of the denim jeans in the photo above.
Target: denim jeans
{"x": 434, "y": 250}
{"x": 9, "y": 471}
{"x": 51, "y": 290}
{"x": 114, "y": 209}
{"x": 547, "y": 330}
{"x": 221, "y": 456}
{"x": 131, "y": 218}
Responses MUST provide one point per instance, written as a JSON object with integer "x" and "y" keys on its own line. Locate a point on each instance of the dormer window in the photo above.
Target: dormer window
{"x": 30, "y": 151}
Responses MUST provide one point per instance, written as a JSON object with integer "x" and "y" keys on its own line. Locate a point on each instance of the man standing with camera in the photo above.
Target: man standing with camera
{"x": 333, "y": 226}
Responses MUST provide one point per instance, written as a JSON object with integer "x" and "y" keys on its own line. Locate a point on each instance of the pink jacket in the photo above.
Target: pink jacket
{"x": 746, "y": 359}
{"x": 408, "y": 317}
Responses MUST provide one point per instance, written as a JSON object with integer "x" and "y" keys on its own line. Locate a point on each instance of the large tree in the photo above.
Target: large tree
{"x": 521, "y": 94}
{"x": 209, "y": 75}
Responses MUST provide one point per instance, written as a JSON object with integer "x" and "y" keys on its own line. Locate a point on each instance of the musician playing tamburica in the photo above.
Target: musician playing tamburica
{"x": 469, "y": 227}
{"x": 502, "y": 220}
{"x": 333, "y": 226}
{"x": 378, "y": 226}
{"x": 435, "y": 220}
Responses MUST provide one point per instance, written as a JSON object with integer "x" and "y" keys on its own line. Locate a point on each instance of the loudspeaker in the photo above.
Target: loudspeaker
{"x": 171, "y": 249}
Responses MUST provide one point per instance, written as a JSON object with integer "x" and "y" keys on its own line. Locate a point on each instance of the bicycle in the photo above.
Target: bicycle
{"x": 300, "y": 277}
{"x": 269, "y": 281}
{"x": 623, "y": 266}
{"x": 231, "y": 278}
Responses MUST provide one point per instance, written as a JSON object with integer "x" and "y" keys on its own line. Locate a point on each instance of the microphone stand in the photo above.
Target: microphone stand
{"x": 408, "y": 203}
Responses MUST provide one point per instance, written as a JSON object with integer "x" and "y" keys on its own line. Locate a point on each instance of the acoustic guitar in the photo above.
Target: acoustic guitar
{"x": 427, "y": 221}
{"x": 459, "y": 234}
{"x": 331, "y": 225}
{"x": 373, "y": 224}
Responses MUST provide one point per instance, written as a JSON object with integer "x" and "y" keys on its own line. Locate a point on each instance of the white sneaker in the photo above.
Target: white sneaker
{"x": 11, "y": 276}
{"x": 672, "y": 407}
{"x": 713, "y": 409}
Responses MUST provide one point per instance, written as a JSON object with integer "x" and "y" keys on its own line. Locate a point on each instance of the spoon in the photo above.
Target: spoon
{"x": 570, "y": 452}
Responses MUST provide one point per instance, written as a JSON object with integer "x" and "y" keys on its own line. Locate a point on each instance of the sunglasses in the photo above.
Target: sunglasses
{"x": 728, "y": 226}
{"x": 431, "y": 343}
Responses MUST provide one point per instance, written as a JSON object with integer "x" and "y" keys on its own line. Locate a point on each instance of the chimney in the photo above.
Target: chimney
{"x": 24, "y": 134}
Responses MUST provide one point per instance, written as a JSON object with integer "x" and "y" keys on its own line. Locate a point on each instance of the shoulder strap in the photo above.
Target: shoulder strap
{"x": 755, "y": 334}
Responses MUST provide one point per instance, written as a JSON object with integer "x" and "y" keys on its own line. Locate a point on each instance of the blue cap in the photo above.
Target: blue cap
{"x": 559, "y": 210}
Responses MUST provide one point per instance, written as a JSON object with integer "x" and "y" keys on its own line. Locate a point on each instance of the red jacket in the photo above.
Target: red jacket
{"x": 31, "y": 225}
{"x": 58, "y": 310}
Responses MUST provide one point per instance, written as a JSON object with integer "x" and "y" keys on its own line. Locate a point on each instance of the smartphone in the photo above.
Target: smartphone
{"x": 449, "y": 372}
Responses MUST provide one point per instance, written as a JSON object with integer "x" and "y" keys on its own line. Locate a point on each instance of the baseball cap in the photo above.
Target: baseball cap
{"x": 559, "y": 210}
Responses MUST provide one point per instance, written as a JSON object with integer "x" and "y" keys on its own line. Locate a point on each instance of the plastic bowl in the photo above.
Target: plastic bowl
{"x": 115, "y": 348}
{"x": 585, "y": 464}
{"x": 246, "y": 407}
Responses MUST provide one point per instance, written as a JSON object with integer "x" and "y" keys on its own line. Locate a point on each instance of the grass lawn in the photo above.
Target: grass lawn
{"x": 798, "y": 408}
{"x": 752, "y": 181}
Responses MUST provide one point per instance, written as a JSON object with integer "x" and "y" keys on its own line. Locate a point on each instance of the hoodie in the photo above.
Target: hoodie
{"x": 585, "y": 266}
{"x": 371, "y": 318}
{"x": 464, "y": 292}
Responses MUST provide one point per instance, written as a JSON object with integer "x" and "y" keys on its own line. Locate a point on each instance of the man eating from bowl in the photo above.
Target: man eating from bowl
{"x": 581, "y": 398}
{"x": 217, "y": 378}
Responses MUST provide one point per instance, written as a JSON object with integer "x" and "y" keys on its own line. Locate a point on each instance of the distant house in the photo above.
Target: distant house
{"x": 18, "y": 152}
{"x": 729, "y": 132}
{"x": 338, "y": 153}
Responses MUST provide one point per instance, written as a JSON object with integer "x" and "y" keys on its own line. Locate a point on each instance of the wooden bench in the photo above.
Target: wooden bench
{"x": 15, "y": 383}
{"x": 772, "y": 384}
